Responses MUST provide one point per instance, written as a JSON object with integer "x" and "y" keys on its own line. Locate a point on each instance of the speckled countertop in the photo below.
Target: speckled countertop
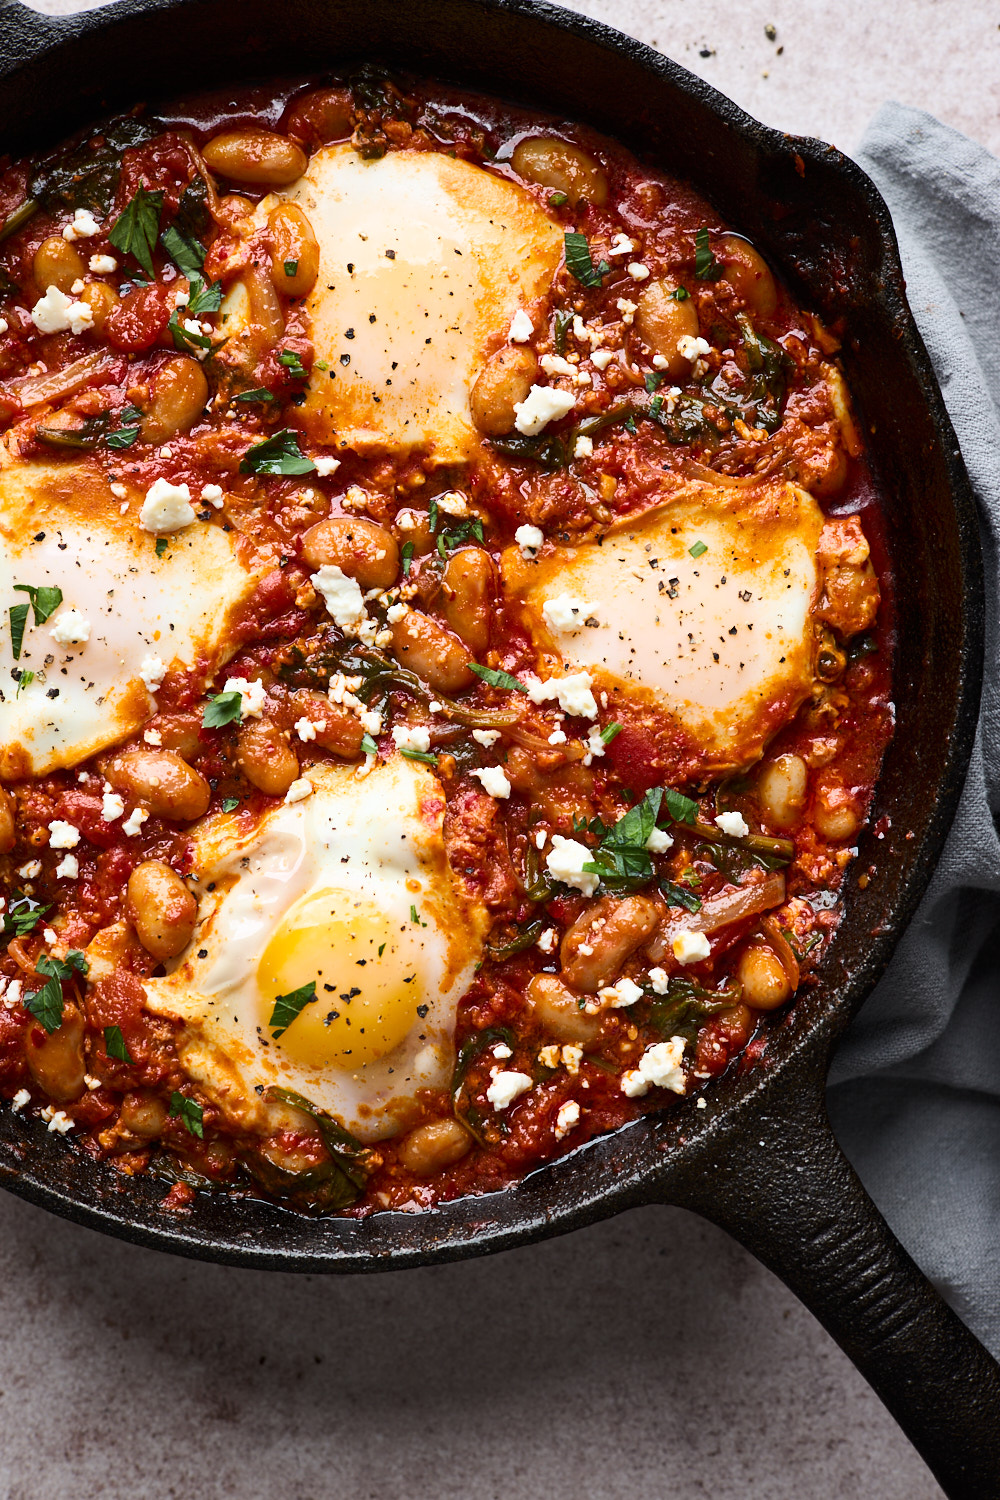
{"x": 644, "y": 1356}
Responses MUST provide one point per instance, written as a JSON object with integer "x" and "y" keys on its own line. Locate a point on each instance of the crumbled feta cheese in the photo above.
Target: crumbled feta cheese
{"x": 701, "y": 1104}
{"x": 486, "y": 737}
{"x": 529, "y": 539}
{"x": 501, "y": 1052}
{"x": 506, "y": 1087}
{"x": 299, "y": 790}
{"x": 691, "y": 347}
{"x": 103, "y": 265}
{"x": 567, "y": 1118}
{"x": 596, "y": 747}
{"x": 63, "y": 835}
{"x": 690, "y": 947}
{"x": 567, "y": 614}
{"x": 660, "y": 981}
{"x": 4, "y": 325}
{"x": 83, "y": 226}
{"x": 118, "y": 490}
{"x": 55, "y": 312}
{"x": 112, "y": 807}
{"x": 91, "y": 1082}
{"x": 71, "y": 628}
{"x": 638, "y": 271}
{"x": 181, "y": 298}
{"x": 573, "y": 693}
{"x": 20, "y": 1099}
{"x": 659, "y": 1067}
{"x": 133, "y": 823}
{"x": 325, "y": 465}
{"x": 659, "y": 841}
{"x": 412, "y": 737}
{"x": 565, "y": 862}
{"x": 494, "y": 781}
{"x": 57, "y": 1119}
{"x": 50, "y": 935}
{"x": 521, "y": 328}
{"x": 12, "y": 994}
{"x": 212, "y": 495}
{"x": 549, "y": 1056}
{"x": 627, "y": 309}
{"x": 31, "y": 869}
{"x": 620, "y": 995}
{"x": 572, "y": 1057}
{"x": 660, "y": 362}
{"x": 343, "y": 597}
{"x": 542, "y": 405}
{"x": 548, "y": 939}
{"x": 397, "y": 612}
{"x": 152, "y": 737}
{"x": 167, "y": 507}
{"x": 68, "y": 868}
{"x": 541, "y": 839}
{"x": 305, "y": 729}
{"x": 253, "y": 696}
{"x": 453, "y": 503}
{"x": 557, "y": 737}
{"x": 583, "y": 447}
{"x": 152, "y": 671}
{"x": 554, "y": 364}
{"x": 621, "y": 245}
{"x": 734, "y": 824}
{"x": 601, "y": 358}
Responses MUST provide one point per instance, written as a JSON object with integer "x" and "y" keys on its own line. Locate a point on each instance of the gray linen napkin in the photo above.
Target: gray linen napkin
{"x": 915, "y": 1087}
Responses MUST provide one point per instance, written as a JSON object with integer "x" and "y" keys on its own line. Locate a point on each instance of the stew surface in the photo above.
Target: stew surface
{"x": 446, "y": 644}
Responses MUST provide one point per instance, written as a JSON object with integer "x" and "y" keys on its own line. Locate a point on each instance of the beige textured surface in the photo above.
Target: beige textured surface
{"x": 650, "y": 1355}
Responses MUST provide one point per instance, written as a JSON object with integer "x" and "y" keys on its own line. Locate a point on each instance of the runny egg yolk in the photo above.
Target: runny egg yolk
{"x": 366, "y": 968}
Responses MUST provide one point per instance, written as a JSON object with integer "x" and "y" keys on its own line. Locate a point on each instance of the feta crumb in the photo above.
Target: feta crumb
{"x": 541, "y": 839}
{"x": 63, "y": 835}
{"x": 453, "y": 503}
{"x": 549, "y": 1056}
{"x": 701, "y": 1104}
{"x": 734, "y": 824}
{"x": 212, "y": 495}
{"x": 12, "y": 994}
{"x": 57, "y": 1119}
{"x": 565, "y": 862}
{"x": 572, "y": 1057}
{"x": 152, "y": 737}
{"x": 601, "y": 358}
{"x": 573, "y": 693}
{"x": 412, "y": 737}
{"x": 501, "y": 1052}
{"x": 486, "y": 737}
{"x": 621, "y": 245}
{"x": 567, "y": 614}
{"x": 521, "y": 328}
{"x": 112, "y": 807}
{"x": 690, "y": 947}
{"x": 55, "y": 312}
{"x": 20, "y": 1099}
{"x": 152, "y": 671}
{"x": 167, "y": 507}
{"x": 554, "y": 364}
{"x": 638, "y": 271}
{"x": 494, "y": 781}
{"x": 68, "y": 868}
{"x": 690, "y": 347}
{"x": 83, "y": 226}
{"x": 529, "y": 539}
{"x": 506, "y": 1087}
{"x": 660, "y": 981}
{"x": 305, "y": 729}
{"x": 325, "y": 465}
{"x": 4, "y": 325}
{"x": 344, "y": 601}
{"x": 299, "y": 790}
{"x": 596, "y": 747}
{"x": 118, "y": 490}
{"x": 548, "y": 939}
{"x": 103, "y": 265}
{"x": 397, "y": 612}
{"x": 181, "y": 298}
{"x": 584, "y": 447}
{"x": 31, "y": 869}
{"x": 50, "y": 935}
{"x": 542, "y": 405}
{"x": 557, "y": 737}
{"x": 71, "y": 628}
{"x": 659, "y": 1067}
{"x": 567, "y": 1118}
{"x": 627, "y": 309}
{"x": 660, "y": 362}
{"x": 253, "y": 696}
{"x": 91, "y": 1082}
{"x": 659, "y": 841}
{"x": 133, "y": 823}
{"x": 620, "y": 995}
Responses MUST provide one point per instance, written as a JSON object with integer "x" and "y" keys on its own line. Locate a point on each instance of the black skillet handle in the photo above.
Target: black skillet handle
{"x": 785, "y": 1190}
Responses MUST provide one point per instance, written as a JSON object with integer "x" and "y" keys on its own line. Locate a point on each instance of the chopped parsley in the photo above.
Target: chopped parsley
{"x": 24, "y": 681}
{"x": 706, "y": 267}
{"x": 230, "y": 804}
{"x": 125, "y": 435}
{"x": 204, "y": 298}
{"x": 137, "y": 228}
{"x": 611, "y": 732}
{"x": 258, "y": 394}
{"x": 46, "y": 1005}
{"x": 368, "y": 745}
{"x": 44, "y": 601}
{"x": 224, "y": 708}
{"x": 279, "y": 454}
{"x": 560, "y": 328}
{"x": 18, "y": 619}
{"x": 293, "y": 364}
{"x": 579, "y": 262}
{"x": 189, "y": 1112}
{"x": 291, "y": 267}
{"x": 161, "y": 546}
{"x": 681, "y": 294}
{"x": 622, "y": 858}
{"x": 680, "y": 808}
{"x": 497, "y": 678}
{"x": 406, "y": 557}
{"x": 698, "y": 549}
{"x": 58, "y": 968}
{"x": 288, "y": 1007}
{"x": 114, "y": 1043}
{"x": 454, "y": 536}
{"x": 184, "y": 339}
{"x": 187, "y": 253}
{"x": 426, "y": 757}
{"x": 22, "y": 916}
{"x": 415, "y": 917}
{"x": 558, "y": 200}
{"x": 677, "y": 895}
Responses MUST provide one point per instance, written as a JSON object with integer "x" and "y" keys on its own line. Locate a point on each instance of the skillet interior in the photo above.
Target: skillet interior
{"x": 822, "y": 223}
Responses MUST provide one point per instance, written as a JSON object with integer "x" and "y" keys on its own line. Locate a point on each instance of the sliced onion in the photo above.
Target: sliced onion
{"x": 719, "y": 911}
{"x": 33, "y": 390}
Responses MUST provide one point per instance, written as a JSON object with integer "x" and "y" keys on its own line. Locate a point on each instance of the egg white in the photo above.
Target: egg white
{"x": 364, "y": 860}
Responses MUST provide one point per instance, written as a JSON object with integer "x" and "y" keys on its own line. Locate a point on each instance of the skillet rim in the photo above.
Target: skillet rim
{"x": 620, "y": 1170}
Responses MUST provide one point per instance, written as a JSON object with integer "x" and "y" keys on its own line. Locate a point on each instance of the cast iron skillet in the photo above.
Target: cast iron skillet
{"x": 760, "y": 1160}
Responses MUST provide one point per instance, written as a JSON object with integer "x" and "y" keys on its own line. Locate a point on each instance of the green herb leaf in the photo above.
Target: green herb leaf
{"x": 24, "y": 681}
{"x": 680, "y": 808}
{"x": 18, "y": 620}
{"x": 187, "y": 253}
{"x": 279, "y": 454}
{"x": 622, "y": 856}
{"x": 22, "y": 915}
{"x": 415, "y": 917}
{"x": 681, "y": 294}
{"x": 454, "y": 536}
{"x": 287, "y": 1007}
{"x": 496, "y": 678}
{"x": 224, "y": 708}
{"x": 426, "y": 757}
{"x": 561, "y": 326}
{"x": 44, "y": 601}
{"x": 183, "y": 338}
{"x": 123, "y": 437}
{"x": 368, "y": 745}
{"x": 58, "y": 968}
{"x": 204, "y": 298}
{"x": 406, "y": 557}
{"x": 230, "y": 804}
{"x": 256, "y": 395}
{"x": 653, "y": 382}
{"x": 115, "y": 1046}
{"x": 706, "y": 267}
{"x": 698, "y": 549}
{"x": 46, "y": 1005}
{"x": 558, "y": 200}
{"x": 349, "y": 1159}
{"x": 137, "y": 228}
{"x": 189, "y": 1112}
{"x": 579, "y": 262}
{"x": 293, "y": 364}
{"x": 291, "y": 267}
{"x": 611, "y": 732}
{"x": 161, "y": 546}
{"x": 676, "y": 895}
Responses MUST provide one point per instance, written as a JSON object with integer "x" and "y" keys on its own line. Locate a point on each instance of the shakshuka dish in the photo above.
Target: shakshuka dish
{"x": 445, "y": 645}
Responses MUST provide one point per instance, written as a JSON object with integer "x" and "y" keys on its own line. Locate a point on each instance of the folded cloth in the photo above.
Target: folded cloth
{"x": 914, "y": 1091}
